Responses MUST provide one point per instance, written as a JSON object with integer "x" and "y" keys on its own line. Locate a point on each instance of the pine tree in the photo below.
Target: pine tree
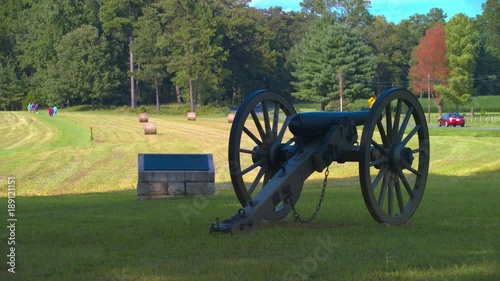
{"x": 331, "y": 52}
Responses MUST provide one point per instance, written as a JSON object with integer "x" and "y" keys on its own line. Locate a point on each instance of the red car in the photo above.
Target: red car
{"x": 451, "y": 119}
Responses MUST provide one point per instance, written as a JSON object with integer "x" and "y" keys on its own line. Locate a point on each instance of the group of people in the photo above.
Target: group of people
{"x": 33, "y": 107}
{"x": 52, "y": 111}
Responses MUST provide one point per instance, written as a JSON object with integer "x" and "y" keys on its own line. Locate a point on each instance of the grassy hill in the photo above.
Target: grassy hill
{"x": 78, "y": 218}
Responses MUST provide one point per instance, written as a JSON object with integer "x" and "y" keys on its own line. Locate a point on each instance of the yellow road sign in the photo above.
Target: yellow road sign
{"x": 371, "y": 101}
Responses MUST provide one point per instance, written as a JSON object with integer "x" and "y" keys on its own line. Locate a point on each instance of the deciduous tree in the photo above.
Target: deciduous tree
{"x": 429, "y": 59}
{"x": 196, "y": 56}
{"x": 83, "y": 68}
{"x": 118, "y": 17}
{"x": 487, "y": 70}
{"x": 462, "y": 51}
{"x": 149, "y": 56}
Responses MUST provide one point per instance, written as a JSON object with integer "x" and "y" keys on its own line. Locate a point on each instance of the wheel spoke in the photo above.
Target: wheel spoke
{"x": 258, "y": 125}
{"x": 276, "y": 118}
{"x": 414, "y": 171}
{"x": 388, "y": 117}
{"x": 378, "y": 161}
{"x": 380, "y": 176}
{"x": 252, "y": 136}
{"x": 418, "y": 150}
{"x": 379, "y": 147}
{"x": 267, "y": 123}
{"x": 283, "y": 129}
{"x": 383, "y": 192}
{"x": 411, "y": 134}
{"x": 383, "y": 135}
{"x": 397, "y": 116}
{"x": 390, "y": 196}
{"x": 253, "y": 166}
{"x": 403, "y": 179}
{"x": 246, "y": 151}
{"x": 404, "y": 125}
{"x": 399, "y": 196}
{"x": 256, "y": 181}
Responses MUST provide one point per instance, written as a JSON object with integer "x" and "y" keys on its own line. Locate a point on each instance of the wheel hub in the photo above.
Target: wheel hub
{"x": 400, "y": 157}
{"x": 273, "y": 153}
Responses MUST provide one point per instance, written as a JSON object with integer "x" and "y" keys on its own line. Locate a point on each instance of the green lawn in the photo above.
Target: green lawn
{"x": 78, "y": 217}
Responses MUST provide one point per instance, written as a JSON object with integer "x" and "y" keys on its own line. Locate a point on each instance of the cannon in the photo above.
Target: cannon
{"x": 273, "y": 150}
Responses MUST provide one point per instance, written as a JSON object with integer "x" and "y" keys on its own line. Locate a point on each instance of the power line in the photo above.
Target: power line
{"x": 404, "y": 82}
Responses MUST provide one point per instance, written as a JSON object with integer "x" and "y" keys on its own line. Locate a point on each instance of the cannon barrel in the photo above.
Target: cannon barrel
{"x": 310, "y": 124}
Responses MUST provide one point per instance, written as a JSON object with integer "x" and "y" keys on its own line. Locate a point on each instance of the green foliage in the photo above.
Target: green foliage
{"x": 82, "y": 69}
{"x": 11, "y": 90}
{"x": 224, "y": 48}
{"x": 462, "y": 51}
{"x": 196, "y": 54}
{"x": 352, "y": 12}
{"x": 330, "y": 52}
{"x": 488, "y": 24}
{"x": 142, "y": 109}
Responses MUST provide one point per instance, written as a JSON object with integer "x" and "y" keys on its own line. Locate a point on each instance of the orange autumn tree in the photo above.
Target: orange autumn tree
{"x": 429, "y": 58}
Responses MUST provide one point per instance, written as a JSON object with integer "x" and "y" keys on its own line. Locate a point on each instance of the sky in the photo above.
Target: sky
{"x": 394, "y": 10}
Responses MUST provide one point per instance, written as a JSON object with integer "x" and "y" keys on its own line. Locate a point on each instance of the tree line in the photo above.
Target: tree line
{"x": 132, "y": 52}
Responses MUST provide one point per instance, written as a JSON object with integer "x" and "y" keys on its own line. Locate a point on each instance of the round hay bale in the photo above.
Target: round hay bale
{"x": 143, "y": 117}
{"x": 150, "y": 128}
{"x": 191, "y": 116}
{"x": 230, "y": 118}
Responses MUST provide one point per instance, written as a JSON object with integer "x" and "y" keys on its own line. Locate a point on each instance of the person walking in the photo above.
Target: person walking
{"x": 51, "y": 111}
{"x": 55, "y": 110}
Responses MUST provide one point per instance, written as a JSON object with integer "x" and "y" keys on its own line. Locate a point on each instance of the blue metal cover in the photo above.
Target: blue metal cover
{"x": 176, "y": 162}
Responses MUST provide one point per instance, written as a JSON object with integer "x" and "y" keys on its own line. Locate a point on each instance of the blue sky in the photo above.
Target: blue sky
{"x": 394, "y": 10}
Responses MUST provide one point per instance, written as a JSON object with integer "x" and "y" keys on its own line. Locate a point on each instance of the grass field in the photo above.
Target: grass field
{"x": 78, "y": 217}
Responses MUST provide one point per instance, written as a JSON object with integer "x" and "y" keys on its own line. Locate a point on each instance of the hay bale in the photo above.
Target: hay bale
{"x": 143, "y": 117}
{"x": 191, "y": 116}
{"x": 150, "y": 128}
{"x": 230, "y": 118}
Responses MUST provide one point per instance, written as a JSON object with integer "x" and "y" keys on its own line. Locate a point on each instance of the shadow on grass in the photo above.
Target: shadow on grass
{"x": 112, "y": 236}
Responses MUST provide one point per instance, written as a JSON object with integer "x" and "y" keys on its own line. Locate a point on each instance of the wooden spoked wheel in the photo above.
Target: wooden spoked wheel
{"x": 257, "y": 145}
{"x": 394, "y": 157}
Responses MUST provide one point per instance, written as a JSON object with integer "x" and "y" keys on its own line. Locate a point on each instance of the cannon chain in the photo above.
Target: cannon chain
{"x": 273, "y": 150}
{"x": 296, "y": 215}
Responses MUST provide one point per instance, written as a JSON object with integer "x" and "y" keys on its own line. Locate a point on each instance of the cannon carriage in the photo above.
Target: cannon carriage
{"x": 273, "y": 150}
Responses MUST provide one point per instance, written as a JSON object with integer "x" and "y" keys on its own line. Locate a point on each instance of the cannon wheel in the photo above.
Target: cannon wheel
{"x": 394, "y": 157}
{"x": 257, "y": 134}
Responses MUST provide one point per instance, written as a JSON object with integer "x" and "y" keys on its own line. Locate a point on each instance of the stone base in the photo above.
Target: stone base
{"x": 170, "y": 183}
{"x": 166, "y": 190}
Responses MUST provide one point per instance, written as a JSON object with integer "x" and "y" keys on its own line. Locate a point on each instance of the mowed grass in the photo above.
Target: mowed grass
{"x": 78, "y": 217}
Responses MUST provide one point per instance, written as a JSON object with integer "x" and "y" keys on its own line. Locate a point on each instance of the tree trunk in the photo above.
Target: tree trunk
{"x": 233, "y": 99}
{"x": 191, "y": 100}
{"x": 439, "y": 104}
{"x": 132, "y": 82}
{"x": 341, "y": 92}
{"x": 157, "y": 96}
{"x": 178, "y": 93}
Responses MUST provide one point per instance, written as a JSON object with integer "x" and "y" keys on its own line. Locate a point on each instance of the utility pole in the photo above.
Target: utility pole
{"x": 341, "y": 90}
{"x": 428, "y": 98}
